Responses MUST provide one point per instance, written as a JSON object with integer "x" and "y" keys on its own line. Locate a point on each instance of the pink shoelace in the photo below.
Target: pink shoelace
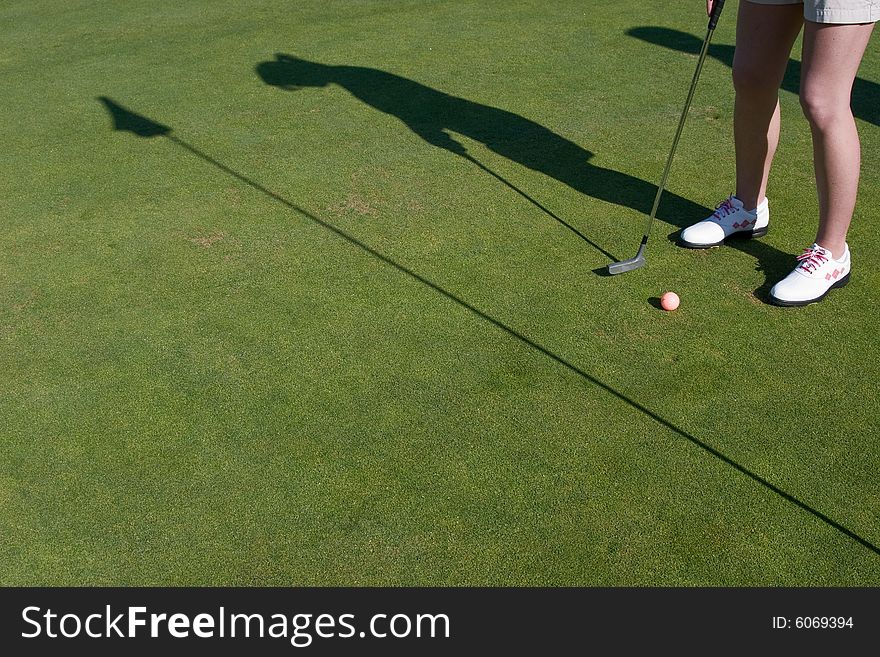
{"x": 811, "y": 259}
{"x": 723, "y": 209}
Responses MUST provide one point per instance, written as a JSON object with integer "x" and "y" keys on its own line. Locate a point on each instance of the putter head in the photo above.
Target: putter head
{"x": 626, "y": 265}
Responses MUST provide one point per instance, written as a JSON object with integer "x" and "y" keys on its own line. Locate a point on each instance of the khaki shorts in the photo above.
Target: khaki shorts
{"x": 834, "y": 11}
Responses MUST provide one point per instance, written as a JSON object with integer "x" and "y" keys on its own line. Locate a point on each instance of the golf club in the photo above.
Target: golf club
{"x": 639, "y": 259}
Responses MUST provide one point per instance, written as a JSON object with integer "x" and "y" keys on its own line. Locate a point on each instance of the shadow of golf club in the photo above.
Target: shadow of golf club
{"x": 125, "y": 120}
{"x": 433, "y": 115}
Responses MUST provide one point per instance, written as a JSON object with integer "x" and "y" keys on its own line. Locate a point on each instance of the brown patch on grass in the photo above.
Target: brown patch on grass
{"x": 233, "y": 195}
{"x": 27, "y": 303}
{"x": 207, "y": 241}
{"x": 742, "y": 290}
{"x": 755, "y": 300}
{"x": 354, "y": 203}
{"x": 711, "y": 113}
{"x": 18, "y": 307}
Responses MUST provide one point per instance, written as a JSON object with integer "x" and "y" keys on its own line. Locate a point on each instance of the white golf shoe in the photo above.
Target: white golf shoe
{"x": 815, "y": 276}
{"x": 730, "y": 219}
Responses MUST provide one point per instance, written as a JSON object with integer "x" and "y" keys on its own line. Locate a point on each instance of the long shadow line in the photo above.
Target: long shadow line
{"x": 528, "y": 342}
{"x": 126, "y": 120}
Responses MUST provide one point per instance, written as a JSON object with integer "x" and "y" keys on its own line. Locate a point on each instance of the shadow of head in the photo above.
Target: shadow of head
{"x": 291, "y": 73}
{"x": 668, "y": 38}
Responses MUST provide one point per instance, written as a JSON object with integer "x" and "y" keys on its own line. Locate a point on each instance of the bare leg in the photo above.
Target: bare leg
{"x": 765, "y": 35}
{"x": 831, "y": 58}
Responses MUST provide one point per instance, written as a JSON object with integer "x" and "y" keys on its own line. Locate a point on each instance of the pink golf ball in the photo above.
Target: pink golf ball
{"x": 669, "y": 301}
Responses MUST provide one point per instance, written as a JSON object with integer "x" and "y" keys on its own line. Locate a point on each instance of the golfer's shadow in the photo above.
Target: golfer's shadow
{"x": 433, "y": 115}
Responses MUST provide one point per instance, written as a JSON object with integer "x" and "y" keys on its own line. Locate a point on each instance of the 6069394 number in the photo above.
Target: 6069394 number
{"x": 823, "y": 622}
{"x": 813, "y": 622}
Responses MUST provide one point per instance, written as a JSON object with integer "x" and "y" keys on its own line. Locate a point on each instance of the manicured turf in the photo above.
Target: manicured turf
{"x": 306, "y": 338}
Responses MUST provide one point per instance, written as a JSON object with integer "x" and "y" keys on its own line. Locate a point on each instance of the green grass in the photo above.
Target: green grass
{"x": 202, "y": 385}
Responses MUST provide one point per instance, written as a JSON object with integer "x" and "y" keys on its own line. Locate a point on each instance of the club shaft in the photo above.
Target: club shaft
{"x": 681, "y": 122}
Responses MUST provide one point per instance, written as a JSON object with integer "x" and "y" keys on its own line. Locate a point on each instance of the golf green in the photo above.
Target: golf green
{"x": 313, "y": 293}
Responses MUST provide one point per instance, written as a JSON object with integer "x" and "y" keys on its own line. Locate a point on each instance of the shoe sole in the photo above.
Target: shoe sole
{"x": 793, "y": 304}
{"x": 740, "y": 234}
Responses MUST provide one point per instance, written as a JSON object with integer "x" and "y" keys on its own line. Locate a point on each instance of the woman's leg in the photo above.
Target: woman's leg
{"x": 765, "y": 35}
{"x": 831, "y": 58}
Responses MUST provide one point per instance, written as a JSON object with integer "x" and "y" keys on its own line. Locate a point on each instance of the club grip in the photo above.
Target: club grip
{"x": 716, "y": 13}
